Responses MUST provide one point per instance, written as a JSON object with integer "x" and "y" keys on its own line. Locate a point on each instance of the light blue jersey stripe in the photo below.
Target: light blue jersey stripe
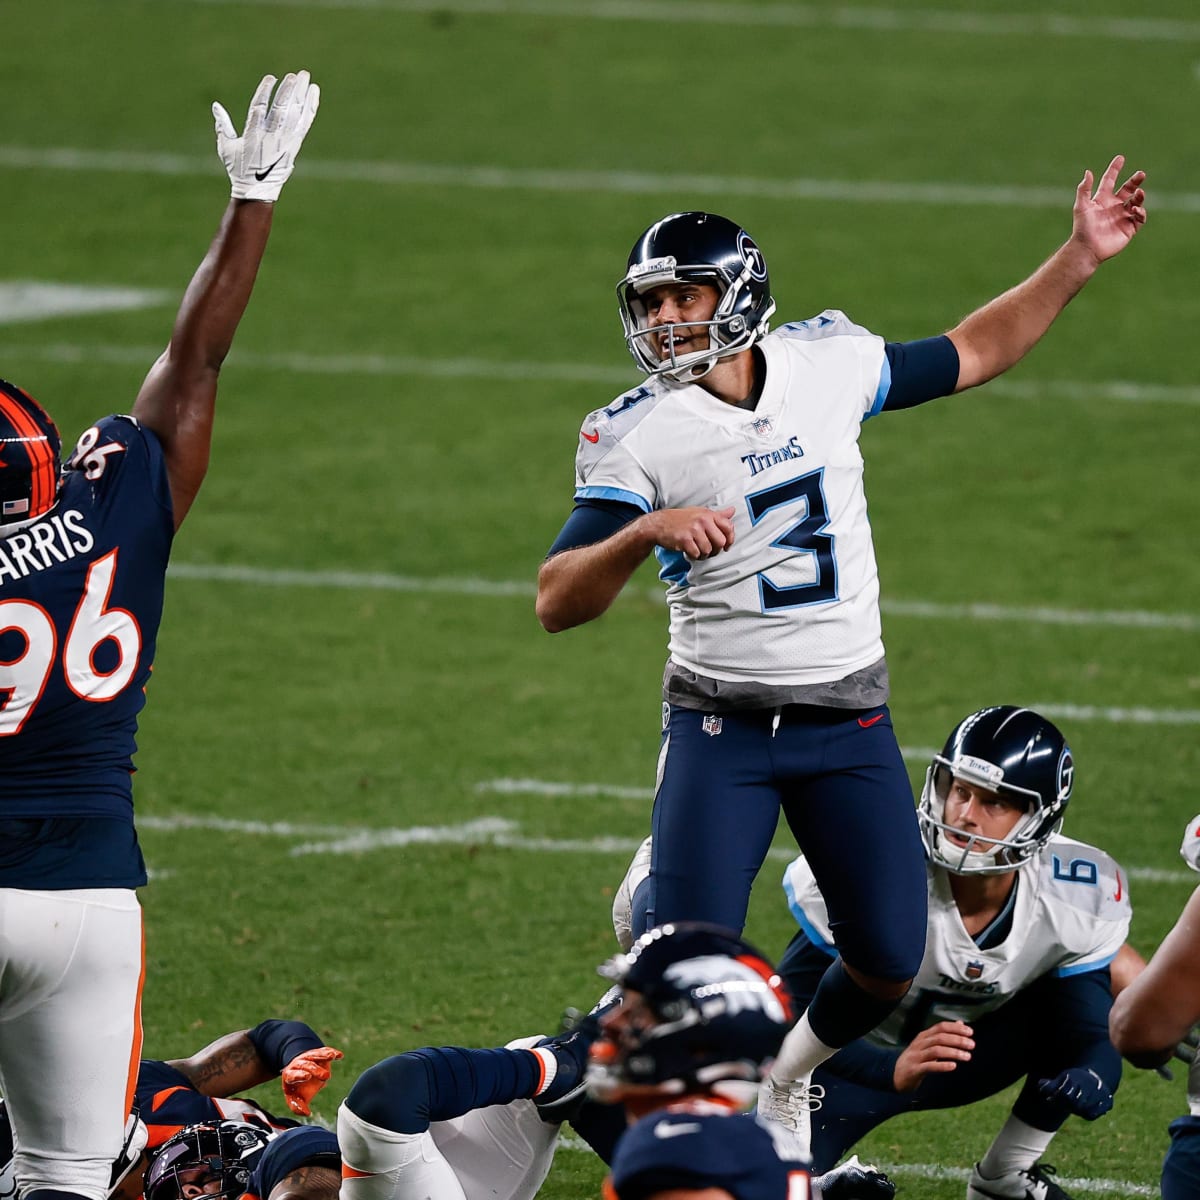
{"x": 611, "y": 493}
{"x": 881, "y": 392}
{"x": 1083, "y": 968}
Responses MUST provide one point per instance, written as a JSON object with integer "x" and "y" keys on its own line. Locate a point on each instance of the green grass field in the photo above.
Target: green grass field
{"x": 351, "y": 682}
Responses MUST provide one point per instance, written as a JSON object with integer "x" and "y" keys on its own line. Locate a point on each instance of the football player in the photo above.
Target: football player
{"x": 202, "y": 1089}
{"x": 701, "y": 1013}
{"x": 447, "y": 1123}
{"x": 737, "y": 463}
{"x": 83, "y": 556}
{"x": 1015, "y": 981}
{"x": 1155, "y": 1015}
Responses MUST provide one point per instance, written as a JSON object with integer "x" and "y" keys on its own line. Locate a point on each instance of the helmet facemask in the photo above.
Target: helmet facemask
{"x": 1003, "y": 854}
{"x": 729, "y": 332}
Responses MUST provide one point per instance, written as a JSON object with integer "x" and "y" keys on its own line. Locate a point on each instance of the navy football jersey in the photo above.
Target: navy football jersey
{"x": 168, "y": 1101}
{"x": 81, "y": 595}
{"x": 694, "y": 1145}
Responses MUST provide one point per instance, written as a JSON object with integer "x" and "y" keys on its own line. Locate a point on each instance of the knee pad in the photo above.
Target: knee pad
{"x": 393, "y": 1095}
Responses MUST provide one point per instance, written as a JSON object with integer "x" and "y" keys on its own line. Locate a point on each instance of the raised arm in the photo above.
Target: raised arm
{"x": 1000, "y": 334}
{"x": 178, "y": 396}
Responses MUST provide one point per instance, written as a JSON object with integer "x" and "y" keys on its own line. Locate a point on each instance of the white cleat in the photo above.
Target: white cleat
{"x": 791, "y": 1106}
{"x": 1031, "y": 1184}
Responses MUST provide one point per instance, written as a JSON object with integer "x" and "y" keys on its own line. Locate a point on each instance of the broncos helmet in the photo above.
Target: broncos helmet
{"x": 222, "y": 1151}
{"x": 696, "y": 247}
{"x": 702, "y": 1010}
{"x": 29, "y": 459}
{"x": 1011, "y": 751}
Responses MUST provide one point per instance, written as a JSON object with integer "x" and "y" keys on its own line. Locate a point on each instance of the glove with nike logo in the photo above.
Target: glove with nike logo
{"x": 1080, "y": 1091}
{"x": 260, "y": 161}
{"x": 305, "y": 1076}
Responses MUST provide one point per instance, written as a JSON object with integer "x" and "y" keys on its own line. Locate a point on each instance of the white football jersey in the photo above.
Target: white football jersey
{"x": 1071, "y": 915}
{"x": 795, "y": 601}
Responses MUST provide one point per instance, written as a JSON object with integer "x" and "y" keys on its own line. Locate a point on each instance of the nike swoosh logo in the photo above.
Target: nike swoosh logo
{"x": 663, "y": 1130}
{"x": 867, "y": 722}
{"x": 1119, "y": 888}
{"x": 592, "y": 437}
{"x": 261, "y": 175}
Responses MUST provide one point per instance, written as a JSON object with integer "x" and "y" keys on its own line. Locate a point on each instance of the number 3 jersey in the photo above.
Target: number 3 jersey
{"x": 795, "y": 601}
{"x": 1069, "y": 914}
{"x": 81, "y": 595}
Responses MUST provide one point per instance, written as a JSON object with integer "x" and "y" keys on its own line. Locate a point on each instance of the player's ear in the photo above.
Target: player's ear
{"x": 310, "y": 1182}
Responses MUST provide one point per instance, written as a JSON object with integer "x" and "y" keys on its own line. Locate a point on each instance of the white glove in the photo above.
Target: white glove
{"x": 260, "y": 161}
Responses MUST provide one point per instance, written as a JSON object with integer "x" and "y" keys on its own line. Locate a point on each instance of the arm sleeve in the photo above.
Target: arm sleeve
{"x": 592, "y": 521}
{"x": 1080, "y": 1006}
{"x": 278, "y": 1042}
{"x": 919, "y": 371}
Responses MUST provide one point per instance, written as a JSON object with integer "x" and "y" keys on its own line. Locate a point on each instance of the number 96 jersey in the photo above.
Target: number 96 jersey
{"x": 81, "y": 595}
{"x": 795, "y": 600}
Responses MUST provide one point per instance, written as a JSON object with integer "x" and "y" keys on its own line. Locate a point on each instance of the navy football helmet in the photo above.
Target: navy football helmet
{"x": 1011, "y": 751}
{"x": 29, "y": 458}
{"x": 702, "y": 1010}
{"x": 222, "y": 1151}
{"x": 696, "y": 247}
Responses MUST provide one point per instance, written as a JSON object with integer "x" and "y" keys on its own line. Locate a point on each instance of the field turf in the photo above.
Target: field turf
{"x": 372, "y": 792}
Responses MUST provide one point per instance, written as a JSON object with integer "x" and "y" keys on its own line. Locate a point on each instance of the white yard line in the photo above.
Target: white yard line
{"x": 593, "y": 182}
{"x": 619, "y": 377}
{"x": 467, "y": 585}
{"x": 492, "y": 831}
{"x": 783, "y": 16}
{"x": 573, "y": 1142}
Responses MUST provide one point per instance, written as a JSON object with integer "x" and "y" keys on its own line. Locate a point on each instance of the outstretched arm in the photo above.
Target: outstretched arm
{"x": 1001, "y": 333}
{"x": 230, "y": 1065}
{"x": 1156, "y": 1011}
{"x": 577, "y": 585}
{"x": 178, "y": 396}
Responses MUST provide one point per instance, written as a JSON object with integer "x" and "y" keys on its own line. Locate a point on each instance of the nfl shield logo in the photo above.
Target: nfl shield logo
{"x": 711, "y": 725}
{"x": 974, "y": 970}
{"x": 762, "y": 426}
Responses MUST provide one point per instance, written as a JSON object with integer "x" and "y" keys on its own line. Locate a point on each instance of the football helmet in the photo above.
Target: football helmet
{"x": 696, "y": 247}
{"x": 221, "y": 1151}
{"x": 702, "y": 1010}
{"x": 1016, "y": 753}
{"x": 29, "y": 458}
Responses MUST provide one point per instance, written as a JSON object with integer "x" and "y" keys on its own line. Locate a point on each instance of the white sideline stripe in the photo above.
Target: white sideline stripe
{"x": 1151, "y": 29}
{"x": 564, "y": 179}
{"x": 466, "y": 585}
{"x": 1127, "y": 390}
{"x": 494, "y": 831}
{"x": 573, "y": 1143}
{"x": 1121, "y": 716}
{"x": 25, "y": 300}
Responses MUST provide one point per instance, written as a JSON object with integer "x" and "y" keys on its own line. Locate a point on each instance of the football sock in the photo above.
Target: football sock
{"x": 1016, "y": 1148}
{"x": 840, "y": 1012}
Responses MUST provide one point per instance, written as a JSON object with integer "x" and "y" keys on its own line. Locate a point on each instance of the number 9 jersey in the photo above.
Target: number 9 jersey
{"x": 81, "y": 595}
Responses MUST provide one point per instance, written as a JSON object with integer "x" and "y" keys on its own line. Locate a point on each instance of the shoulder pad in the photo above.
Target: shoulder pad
{"x": 830, "y": 323}
{"x": 605, "y": 427}
{"x": 1086, "y": 879}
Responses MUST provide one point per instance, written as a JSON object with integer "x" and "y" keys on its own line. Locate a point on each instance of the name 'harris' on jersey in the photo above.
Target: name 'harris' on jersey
{"x": 793, "y": 472}
{"x": 1071, "y": 914}
{"x": 81, "y": 595}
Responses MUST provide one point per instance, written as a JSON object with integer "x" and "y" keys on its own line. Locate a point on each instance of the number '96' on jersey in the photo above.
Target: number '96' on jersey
{"x": 81, "y": 595}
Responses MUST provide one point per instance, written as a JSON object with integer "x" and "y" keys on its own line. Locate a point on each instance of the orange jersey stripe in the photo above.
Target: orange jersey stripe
{"x": 348, "y": 1172}
{"x": 135, "y": 1053}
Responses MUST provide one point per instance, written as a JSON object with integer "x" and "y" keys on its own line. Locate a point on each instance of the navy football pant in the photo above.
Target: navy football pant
{"x": 1013, "y": 1042}
{"x": 1181, "y": 1167}
{"x": 838, "y": 778}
